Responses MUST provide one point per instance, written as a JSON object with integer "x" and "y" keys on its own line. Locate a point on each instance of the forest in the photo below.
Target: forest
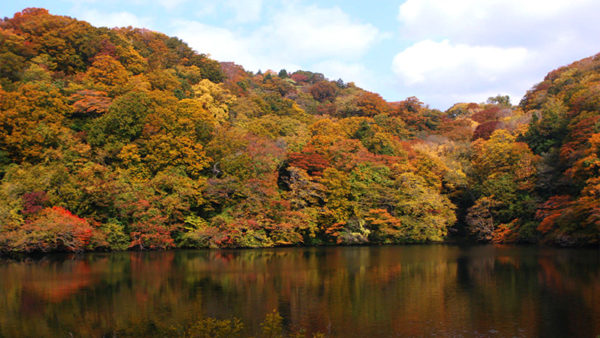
{"x": 128, "y": 139}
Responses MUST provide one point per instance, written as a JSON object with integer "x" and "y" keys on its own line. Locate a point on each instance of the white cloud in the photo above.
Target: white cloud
{"x": 489, "y": 47}
{"x": 442, "y": 73}
{"x": 438, "y": 63}
{"x": 116, "y": 19}
{"x": 292, "y": 37}
{"x": 221, "y": 43}
{"x": 314, "y": 32}
{"x": 505, "y": 22}
{"x": 226, "y": 45}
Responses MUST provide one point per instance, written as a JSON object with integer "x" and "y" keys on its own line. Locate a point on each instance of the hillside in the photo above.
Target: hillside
{"x": 125, "y": 138}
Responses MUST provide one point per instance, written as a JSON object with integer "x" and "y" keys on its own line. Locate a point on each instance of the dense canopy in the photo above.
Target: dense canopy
{"x": 125, "y": 138}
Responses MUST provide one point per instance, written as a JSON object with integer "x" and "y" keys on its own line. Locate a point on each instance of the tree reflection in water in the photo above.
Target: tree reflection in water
{"x": 352, "y": 291}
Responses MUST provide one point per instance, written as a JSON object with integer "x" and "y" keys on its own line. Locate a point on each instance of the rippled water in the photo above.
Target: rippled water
{"x": 351, "y": 291}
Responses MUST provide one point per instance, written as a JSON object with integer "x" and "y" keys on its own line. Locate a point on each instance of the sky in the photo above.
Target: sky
{"x": 440, "y": 51}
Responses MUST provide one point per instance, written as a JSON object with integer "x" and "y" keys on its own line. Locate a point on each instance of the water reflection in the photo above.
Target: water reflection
{"x": 357, "y": 291}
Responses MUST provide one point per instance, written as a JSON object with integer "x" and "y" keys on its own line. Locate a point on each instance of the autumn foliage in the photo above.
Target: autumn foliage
{"x": 53, "y": 229}
{"x": 125, "y": 138}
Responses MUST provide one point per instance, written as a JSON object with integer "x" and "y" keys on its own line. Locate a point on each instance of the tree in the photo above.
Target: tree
{"x": 371, "y": 104}
{"x": 337, "y": 198}
{"x": 107, "y": 75}
{"x": 503, "y": 171}
{"x": 323, "y": 91}
{"x": 214, "y": 99}
{"x": 481, "y": 220}
{"x": 124, "y": 121}
{"x": 501, "y": 100}
{"x": 90, "y": 102}
{"x": 32, "y": 122}
{"x": 548, "y": 127}
{"x": 54, "y": 229}
{"x": 310, "y": 160}
{"x": 423, "y": 211}
{"x": 485, "y": 130}
{"x": 385, "y": 228}
{"x": 163, "y": 151}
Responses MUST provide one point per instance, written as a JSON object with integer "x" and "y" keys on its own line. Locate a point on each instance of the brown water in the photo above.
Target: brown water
{"x": 348, "y": 292}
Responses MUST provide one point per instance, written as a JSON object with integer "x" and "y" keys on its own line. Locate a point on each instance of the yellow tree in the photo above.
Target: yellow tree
{"x": 504, "y": 171}
{"x": 214, "y": 99}
{"x": 108, "y": 75}
{"x": 163, "y": 151}
{"x": 31, "y": 121}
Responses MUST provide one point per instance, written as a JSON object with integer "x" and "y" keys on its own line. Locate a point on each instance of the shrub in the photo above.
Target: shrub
{"x": 53, "y": 229}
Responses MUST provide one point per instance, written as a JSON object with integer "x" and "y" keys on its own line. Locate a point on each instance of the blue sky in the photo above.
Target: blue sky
{"x": 441, "y": 51}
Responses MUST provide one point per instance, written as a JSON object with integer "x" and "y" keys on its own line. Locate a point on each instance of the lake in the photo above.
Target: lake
{"x": 339, "y": 291}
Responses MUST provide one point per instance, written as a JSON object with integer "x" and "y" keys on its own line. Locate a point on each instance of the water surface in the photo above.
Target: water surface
{"x": 349, "y": 292}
